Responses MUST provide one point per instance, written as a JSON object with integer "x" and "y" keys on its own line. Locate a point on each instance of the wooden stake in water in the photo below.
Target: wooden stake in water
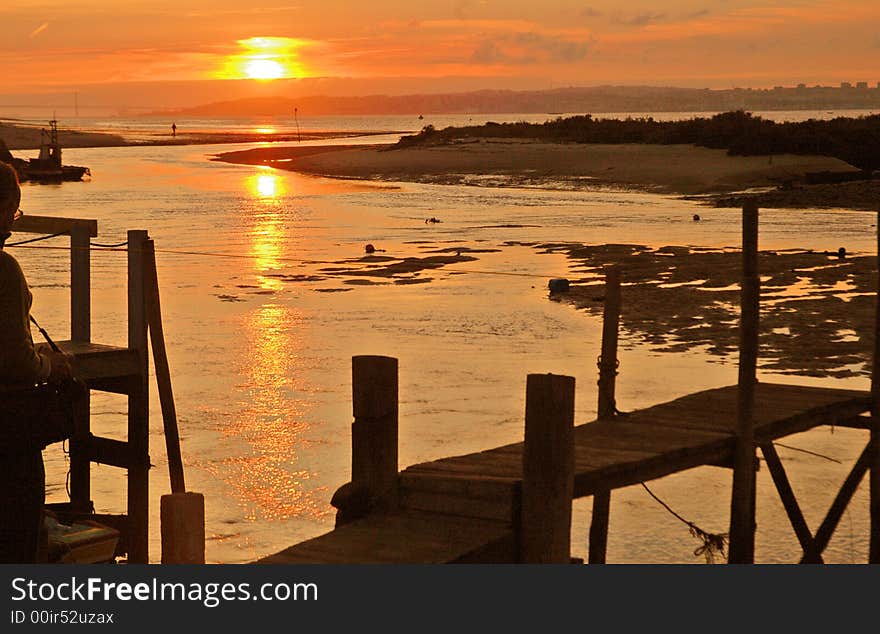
{"x": 874, "y": 481}
{"x": 742, "y": 505}
{"x": 607, "y": 408}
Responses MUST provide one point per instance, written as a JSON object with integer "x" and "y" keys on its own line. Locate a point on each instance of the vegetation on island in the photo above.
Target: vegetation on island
{"x": 854, "y": 140}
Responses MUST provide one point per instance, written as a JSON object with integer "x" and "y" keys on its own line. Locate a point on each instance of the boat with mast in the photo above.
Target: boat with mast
{"x": 48, "y": 167}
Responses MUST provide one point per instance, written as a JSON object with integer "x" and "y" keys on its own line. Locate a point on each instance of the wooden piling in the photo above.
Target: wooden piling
{"x": 374, "y": 430}
{"x": 138, "y": 406}
{"x": 163, "y": 372}
{"x": 874, "y": 478}
{"x": 742, "y": 505}
{"x": 607, "y": 407}
{"x": 80, "y": 283}
{"x": 182, "y": 517}
{"x": 548, "y": 470}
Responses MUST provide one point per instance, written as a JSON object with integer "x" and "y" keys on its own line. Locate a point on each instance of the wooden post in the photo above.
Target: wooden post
{"x": 183, "y": 528}
{"x": 138, "y": 406}
{"x": 607, "y": 408}
{"x": 742, "y": 504}
{"x": 874, "y": 478}
{"x": 80, "y": 332}
{"x": 374, "y": 430}
{"x": 80, "y": 284}
{"x": 163, "y": 372}
{"x": 548, "y": 470}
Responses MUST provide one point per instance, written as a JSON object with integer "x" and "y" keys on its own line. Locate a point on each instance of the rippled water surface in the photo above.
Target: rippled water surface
{"x": 260, "y": 336}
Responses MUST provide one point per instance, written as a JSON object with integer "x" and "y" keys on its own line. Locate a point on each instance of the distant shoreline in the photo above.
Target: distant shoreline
{"x": 27, "y": 137}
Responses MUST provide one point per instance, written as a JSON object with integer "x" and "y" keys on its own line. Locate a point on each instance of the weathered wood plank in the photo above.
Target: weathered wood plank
{"x": 50, "y": 225}
{"x": 407, "y": 537}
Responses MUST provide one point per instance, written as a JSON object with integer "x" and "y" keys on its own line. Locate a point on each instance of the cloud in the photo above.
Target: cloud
{"x": 590, "y": 12}
{"x": 39, "y": 29}
{"x": 641, "y": 19}
{"x": 702, "y": 13}
{"x": 530, "y": 48}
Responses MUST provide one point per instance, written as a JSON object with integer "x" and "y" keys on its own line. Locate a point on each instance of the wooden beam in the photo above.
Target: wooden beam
{"x": 163, "y": 373}
{"x": 548, "y": 470}
{"x": 874, "y": 482}
{"x": 115, "y": 453}
{"x": 841, "y": 501}
{"x": 786, "y": 494}
{"x": 80, "y": 284}
{"x": 138, "y": 405}
{"x": 49, "y": 225}
{"x": 607, "y": 408}
{"x": 742, "y": 504}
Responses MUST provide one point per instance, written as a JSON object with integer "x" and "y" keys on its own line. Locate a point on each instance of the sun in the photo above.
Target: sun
{"x": 264, "y": 59}
{"x": 264, "y": 69}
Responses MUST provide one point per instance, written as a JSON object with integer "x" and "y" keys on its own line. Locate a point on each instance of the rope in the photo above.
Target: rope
{"x": 37, "y": 239}
{"x": 713, "y": 543}
{"x": 109, "y": 246}
{"x": 807, "y": 451}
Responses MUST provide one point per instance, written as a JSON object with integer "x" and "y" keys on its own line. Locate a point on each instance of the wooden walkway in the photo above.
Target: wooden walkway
{"x": 466, "y": 508}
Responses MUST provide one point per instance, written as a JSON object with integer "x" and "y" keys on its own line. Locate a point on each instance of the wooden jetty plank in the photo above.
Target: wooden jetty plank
{"x": 780, "y": 409}
{"x": 406, "y": 537}
{"x": 97, "y": 361}
{"x": 462, "y": 507}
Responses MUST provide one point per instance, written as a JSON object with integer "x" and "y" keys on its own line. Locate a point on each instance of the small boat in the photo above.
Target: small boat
{"x": 47, "y": 167}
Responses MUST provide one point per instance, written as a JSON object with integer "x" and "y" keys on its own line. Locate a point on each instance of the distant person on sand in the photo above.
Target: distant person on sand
{"x": 22, "y": 478}
{"x": 173, "y": 129}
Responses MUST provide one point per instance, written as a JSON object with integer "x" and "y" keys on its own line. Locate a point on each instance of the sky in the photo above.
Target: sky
{"x": 174, "y": 52}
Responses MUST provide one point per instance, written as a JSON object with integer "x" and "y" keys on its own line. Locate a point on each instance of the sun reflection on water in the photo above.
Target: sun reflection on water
{"x": 267, "y": 234}
{"x": 266, "y": 475}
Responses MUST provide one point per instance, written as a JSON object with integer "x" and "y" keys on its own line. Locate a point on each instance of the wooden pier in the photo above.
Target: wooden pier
{"x": 121, "y": 370}
{"x": 513, "y": 503}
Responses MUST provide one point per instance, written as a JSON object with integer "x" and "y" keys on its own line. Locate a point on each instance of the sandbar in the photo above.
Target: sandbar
{"x": 674, "y": 169}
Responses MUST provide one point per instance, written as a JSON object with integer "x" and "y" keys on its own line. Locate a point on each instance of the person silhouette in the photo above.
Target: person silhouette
{"x": 173, "y": 129}
{"x": 22, "y": 478}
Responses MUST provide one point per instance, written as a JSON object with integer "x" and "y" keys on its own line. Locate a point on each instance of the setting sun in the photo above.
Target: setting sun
{"x": 264, "y": 58}
{"x": 264, "y": 69}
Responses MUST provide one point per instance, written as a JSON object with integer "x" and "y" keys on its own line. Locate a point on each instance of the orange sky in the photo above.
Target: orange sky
{"x": 410, "y": 46}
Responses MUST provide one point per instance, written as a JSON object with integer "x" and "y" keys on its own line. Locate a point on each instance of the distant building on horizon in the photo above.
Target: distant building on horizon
{"x": 862, "y": 85}
{"x": 845, "y": 84}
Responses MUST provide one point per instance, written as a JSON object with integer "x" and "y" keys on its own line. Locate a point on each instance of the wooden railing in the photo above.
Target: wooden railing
{"x": 80, "y": 232}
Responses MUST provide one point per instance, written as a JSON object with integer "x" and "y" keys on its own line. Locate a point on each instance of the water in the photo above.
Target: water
{"x": 260, "y": 338}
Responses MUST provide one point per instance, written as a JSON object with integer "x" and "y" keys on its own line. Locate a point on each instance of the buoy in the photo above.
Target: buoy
{"x": 558, "y": 285}
{"x": 841, "y": 252}
{"x": 696, "y": 217}
{"x": 369, "y": 248}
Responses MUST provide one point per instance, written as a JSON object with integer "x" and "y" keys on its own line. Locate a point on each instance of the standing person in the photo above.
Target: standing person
{"x": 173, "y": 129}
{"x": 22, "y": 479}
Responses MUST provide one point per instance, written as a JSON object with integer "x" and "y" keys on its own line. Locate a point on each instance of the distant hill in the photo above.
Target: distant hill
{"x": 557, "y": 101}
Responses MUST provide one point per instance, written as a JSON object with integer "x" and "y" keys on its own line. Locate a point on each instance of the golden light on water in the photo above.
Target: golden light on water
{"x": 267, "y": 186}
{"x": 267, "y": 234}
{"x": 266, "y": 476}
{"x": 264, "y": 59}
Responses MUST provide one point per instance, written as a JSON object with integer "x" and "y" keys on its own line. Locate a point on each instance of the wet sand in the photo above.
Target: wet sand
{"x": 864, "y": 195}
{"x": 817, "y": 310}
{"x": 675, "y": 169}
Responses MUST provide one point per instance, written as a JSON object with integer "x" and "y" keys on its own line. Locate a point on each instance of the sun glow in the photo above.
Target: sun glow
{"x": 264, "y": 69}
{"x": 264, "y": 59}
